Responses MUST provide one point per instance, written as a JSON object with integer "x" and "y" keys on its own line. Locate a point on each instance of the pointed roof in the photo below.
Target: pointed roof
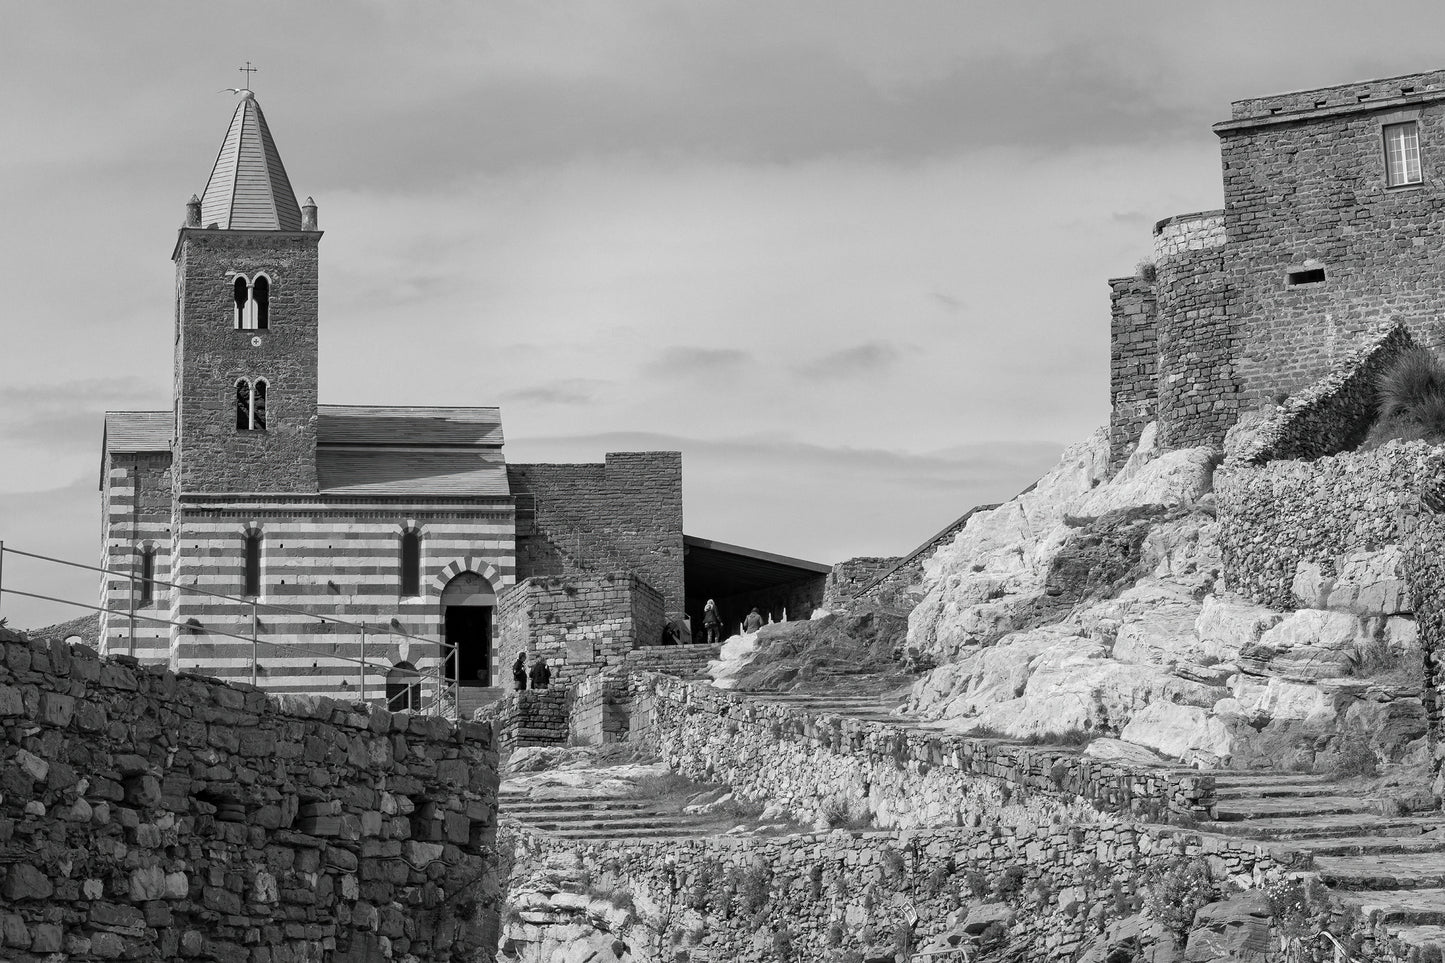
{"x": 249, "y": 189}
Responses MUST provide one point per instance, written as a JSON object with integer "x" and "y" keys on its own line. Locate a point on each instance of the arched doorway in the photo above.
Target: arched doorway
{"x": 467, "y": 605}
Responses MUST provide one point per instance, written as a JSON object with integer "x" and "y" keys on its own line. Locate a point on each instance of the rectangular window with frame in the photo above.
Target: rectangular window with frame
{"x": 1402, "y": 154}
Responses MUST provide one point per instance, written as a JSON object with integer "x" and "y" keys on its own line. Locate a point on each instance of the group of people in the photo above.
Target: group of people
{"x": 712, "y": 622}
{"x": 540, "y": 675}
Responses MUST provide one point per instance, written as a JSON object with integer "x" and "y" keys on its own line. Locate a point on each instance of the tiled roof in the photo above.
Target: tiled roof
{"x": 368, "y": 425}
{"x": 249, "y": 189}
{"x": 388, "y": 471}
{"x": 138, "y": 431}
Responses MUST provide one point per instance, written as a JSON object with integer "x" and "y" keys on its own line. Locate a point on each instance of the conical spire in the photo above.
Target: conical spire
{"x": 249, "y": 189}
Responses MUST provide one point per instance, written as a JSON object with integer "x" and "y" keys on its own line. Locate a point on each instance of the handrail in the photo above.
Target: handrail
{"x": 446, "y": 650}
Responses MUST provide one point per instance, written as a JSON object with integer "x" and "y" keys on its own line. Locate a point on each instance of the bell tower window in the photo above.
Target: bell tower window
{"x": 252, "y": 567}
{"x": 252, "y": 303}
{"x": 411, "y": 563}
{"x": 251, "y": 405}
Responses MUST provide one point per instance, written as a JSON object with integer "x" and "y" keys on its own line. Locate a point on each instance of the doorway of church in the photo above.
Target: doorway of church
{"x": 468, "y": 631}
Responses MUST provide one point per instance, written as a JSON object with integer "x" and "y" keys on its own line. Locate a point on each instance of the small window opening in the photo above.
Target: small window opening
{"x": 1306, "y": 276}
{"x": 411, "y": 563}
{"x": 258, "y": 406}
{"x": 1362, "y": 98}
{"x": 403, "y": 688}
{"x": 147, "y": 576}
{"x": 1407, "y": 90}
{"x": 253, "y": 565}
{"x": 243, "y": 406}
{"x": 240, "y": 293}
{"x": 1402, "y": 153}
{"x": 261, "y": 302}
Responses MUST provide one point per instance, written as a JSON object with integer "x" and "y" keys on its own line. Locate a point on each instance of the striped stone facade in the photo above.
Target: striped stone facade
{"x": 136, "y": 513}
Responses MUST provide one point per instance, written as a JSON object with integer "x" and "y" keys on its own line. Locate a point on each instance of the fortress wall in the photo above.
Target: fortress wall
{"x": 581, "y": 624}
{"x": 823, "y": 894}
{"x": 531, "y": 717}
{"x": 851, "y": 576}
{"x": 325, "y": 558}
{"x": 1197, "y": 399}
{"x": 137, "y": 507}
{"x": 808, "y": 763}
{"x": 1311, "y": 191}
{"x": 1133, "y": 363}
{"x": 1274, "y": 516}
{"x": 164, "y": 816}
{"x": 623, "y": 514}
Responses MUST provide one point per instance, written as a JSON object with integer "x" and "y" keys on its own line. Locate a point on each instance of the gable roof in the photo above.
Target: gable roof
{"x": 248, "y": 189}
{"x": 389, "y": 471}
{"x": 408, "y": 426}
{"x": 137, "y": 431}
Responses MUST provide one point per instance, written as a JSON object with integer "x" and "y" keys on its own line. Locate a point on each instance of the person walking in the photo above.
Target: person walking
{"x": 711, "y": 623}
{"x": 519, "y": 671}
{"x": 541, "y": 675}
{"x": 753, "y": 622}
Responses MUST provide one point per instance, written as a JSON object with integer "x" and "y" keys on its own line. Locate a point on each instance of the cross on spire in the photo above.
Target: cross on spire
{"x": 248, "y": 70}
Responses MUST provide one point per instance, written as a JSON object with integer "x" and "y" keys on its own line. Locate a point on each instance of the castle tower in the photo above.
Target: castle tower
{"x": 246, "y": 323}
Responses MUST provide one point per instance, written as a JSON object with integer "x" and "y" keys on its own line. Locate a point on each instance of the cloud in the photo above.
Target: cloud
{"x": 869, "y": 357}
{"x": 571, "y": 391}
{"x": 690, "y": 361}
{"x": 948, "y": 301}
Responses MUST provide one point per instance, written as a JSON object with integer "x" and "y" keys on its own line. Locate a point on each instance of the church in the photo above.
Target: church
{"x": 252, "y": 533}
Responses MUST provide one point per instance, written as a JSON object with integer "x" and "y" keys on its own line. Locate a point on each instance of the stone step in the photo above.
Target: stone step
{"x": 1237, "y": 810}
{"x": 1321, "y": 826}
{"x": 1274, "y": 791}
{"x": 605, "y": 830}
{"x": 600, "y": 816}
{"x": 1385, "y": 871}
{"x": 1368, "y": 845}
{"x": 1422, "y": 936}
{"x": 619, "y": 802}
{"x": 635, "y": 835}
{"x": 1231, "y": 777}
{"x": 1413, "y": 907}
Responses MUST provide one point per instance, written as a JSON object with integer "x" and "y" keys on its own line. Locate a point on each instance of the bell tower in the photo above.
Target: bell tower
{"x": 246, "y": 323}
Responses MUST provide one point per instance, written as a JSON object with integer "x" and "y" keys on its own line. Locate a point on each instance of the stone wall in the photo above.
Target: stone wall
{"x": 1305, "y": 188}
{"x": 1133, "y": 363}
{"x": 580, "y": 624}
{"x": 1425, "y": 574}
{"x": 136, "y": 517}
{"x": 150, "y": 815}
{"x": 531, "y": 717}
{"x": 685, "y": 661}
{"x": 601, "y": 711}
{"x": 622, "y": 515}
{"x": 212, "y": 355}
{"x": 1052, "y": 886}
{"x": 891, "y": 588}
{"x": 799, "y": 760}
{"x": 1274, "y": 516}
{"x": 848, "y": 578}
{"x": 1197, "y": 396}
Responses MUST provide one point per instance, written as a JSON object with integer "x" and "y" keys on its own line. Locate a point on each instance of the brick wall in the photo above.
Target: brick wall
{"x": 601, "y": 711}
{"x": 1133, "y": 363}
{"x": 531, "y": 717}
{"x": 336, "y": 557}
{"x": 1197, "y": 398}
{"x": 1307, "y": 184}
{"x": 211, "y": 355}
{"x": 136, "y": 506}
{"x": 163, "y": 816}
{"x": 624, "y": 514}
{"x": 851, "y": 576}
{"x": 580, "y": 624}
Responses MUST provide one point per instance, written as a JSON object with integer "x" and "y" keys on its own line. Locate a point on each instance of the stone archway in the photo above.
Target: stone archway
{"x": 468, "y": 603}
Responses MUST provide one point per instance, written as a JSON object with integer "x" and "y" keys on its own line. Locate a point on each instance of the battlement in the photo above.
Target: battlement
{"x": 1188, "y": 232}
{"x": 1362, "y": 95}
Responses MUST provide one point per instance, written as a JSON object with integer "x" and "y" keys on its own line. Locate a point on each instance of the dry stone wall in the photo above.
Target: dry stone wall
{"x": 812, "y": 764}
{"x": 1275, "y": 516}
{"x": 530, "y": 717}
{"x": 147, "y": 815}
{"x": 600, "y": 711}
{"x": 1051, "y": 886}
{"x": 1133, "y": 363}
{"x": 1425, "y": 574}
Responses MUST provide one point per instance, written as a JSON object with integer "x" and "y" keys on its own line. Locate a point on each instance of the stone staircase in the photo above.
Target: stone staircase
{"x": 859, "y": 705}
{"x": 603, "y": 816}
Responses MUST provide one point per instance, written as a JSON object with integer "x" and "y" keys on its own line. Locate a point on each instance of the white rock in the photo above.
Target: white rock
{"x": 1308, "y": 644}
{"x": 1127, "y": 753}
{"x": 1227, "y": 624}
{"x": 1184, "y": 732}
{"x": 1156, "y": 624}
{"x": 1280, "y": 699}
{"x": 1173, "y": 478}
{"x": 1371, "y": 583}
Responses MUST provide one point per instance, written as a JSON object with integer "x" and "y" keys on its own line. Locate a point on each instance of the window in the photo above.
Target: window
{"x": 250, "y": 406}
{"x": 253, "y": 565}
{"x": 1306, "y": 276}
{"x": 1402, "y": 154}
{"x": 411, "y": 562}
{"x": 403, "y": 688}
{"x": 252, "y": 309}
{"x": 147, "y": 576}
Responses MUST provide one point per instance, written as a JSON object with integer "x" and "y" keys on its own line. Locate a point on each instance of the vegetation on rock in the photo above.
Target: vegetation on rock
{"x": 1411, "y": 393}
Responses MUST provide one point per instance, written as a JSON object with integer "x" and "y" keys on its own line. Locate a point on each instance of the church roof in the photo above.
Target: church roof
{"x": 249, "y": 189}
{"x": 373, "y": 425}
{"x": 393, "y": 471}
{"x": 138, "y": 431}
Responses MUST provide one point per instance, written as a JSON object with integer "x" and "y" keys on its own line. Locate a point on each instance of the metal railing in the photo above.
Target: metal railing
{"x": 443, "y": 698}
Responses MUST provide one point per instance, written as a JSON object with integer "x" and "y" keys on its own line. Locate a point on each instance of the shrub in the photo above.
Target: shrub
{"x": 756, "y": 887}
{"x": 815, "y": 881}
{"x": 1010, "y": 882}
{"x": 834, "y": 936}
{"x": 1411, "y": 399}
{"x": 783, "y": 943}
{"x": 1146, "y": 269}
{"x": 892, "y": 862}
{"x": 1174, "y": 894}
{"x": 1354, "y": 757}
{"x": 977, "y": 882}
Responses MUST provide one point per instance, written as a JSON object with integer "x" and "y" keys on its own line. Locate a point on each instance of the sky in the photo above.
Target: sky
{"x": 849, "y": 258}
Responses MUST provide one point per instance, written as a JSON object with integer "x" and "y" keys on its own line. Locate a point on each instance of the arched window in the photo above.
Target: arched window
{"x": 411, "y": 562}
{"x": 147, "y": 576}
{"x": 253, "y": 564}
{"x": 258, "y": 406}
{"x": 243, "y": 406}
{"x": 403, "y": 688}
{"x": 241, "y": 294}
{"x": 261, "y": 301}
{"x": 251, "y": 405}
